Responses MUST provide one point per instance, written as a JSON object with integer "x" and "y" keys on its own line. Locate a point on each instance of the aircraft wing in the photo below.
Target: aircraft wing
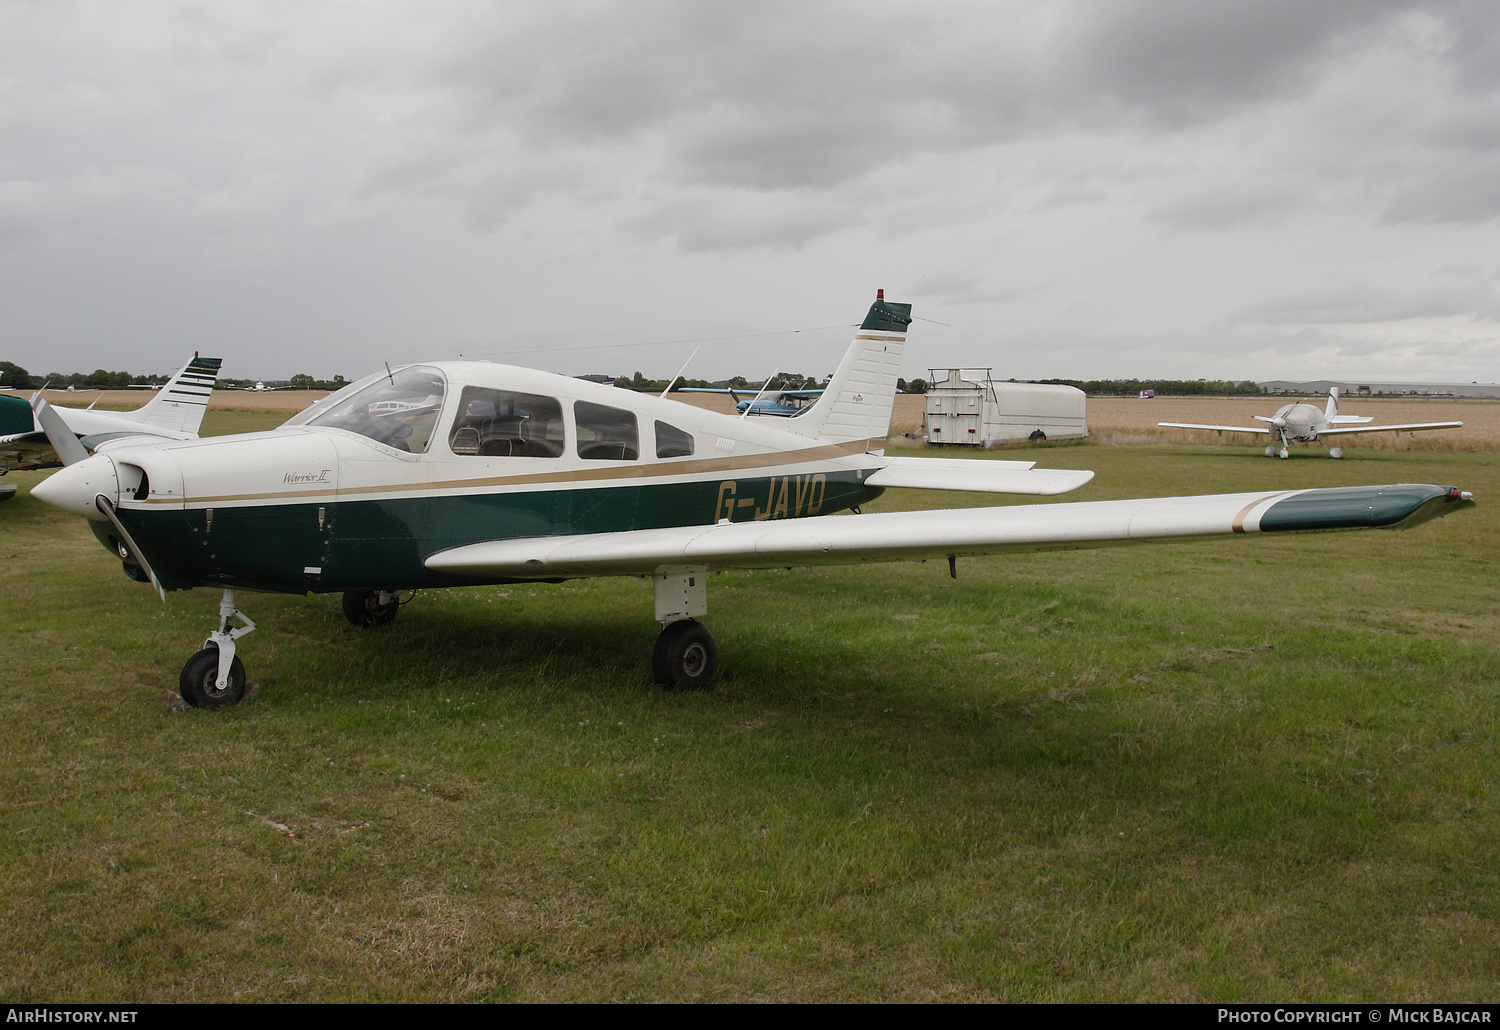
{"x": 917, "y": 535}
{"x": 977, "y": 475}
{"x": 1217, "y": 429}
{"x": 1412, "y": 427}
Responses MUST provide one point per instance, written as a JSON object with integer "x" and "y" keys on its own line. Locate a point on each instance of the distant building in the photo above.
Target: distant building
{"x": 966, "y": 406}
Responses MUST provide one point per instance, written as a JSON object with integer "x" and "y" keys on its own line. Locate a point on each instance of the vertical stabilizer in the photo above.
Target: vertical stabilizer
{"x": 1331, "y": 411}
{"x": 856, "y": 405}
{"x": 179, "y": 406}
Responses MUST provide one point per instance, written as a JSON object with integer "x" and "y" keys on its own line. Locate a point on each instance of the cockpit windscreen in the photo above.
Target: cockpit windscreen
{"x": 398, "y": 409}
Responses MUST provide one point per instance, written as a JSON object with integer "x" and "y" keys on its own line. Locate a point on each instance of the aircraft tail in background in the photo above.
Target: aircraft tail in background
{"x": 856, "y": 405}
{"x": 179, "y": 406}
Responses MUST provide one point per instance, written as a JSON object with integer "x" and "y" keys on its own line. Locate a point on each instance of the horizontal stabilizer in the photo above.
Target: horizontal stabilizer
{"x": 977, "y": 475}
{"x": 917, "y": 535}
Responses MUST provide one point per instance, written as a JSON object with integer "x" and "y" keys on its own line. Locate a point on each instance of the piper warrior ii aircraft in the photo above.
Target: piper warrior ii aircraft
{"x": 452, "y": 473}
{"x": 1304, "y": 423}
{"x": 175, "y": 413}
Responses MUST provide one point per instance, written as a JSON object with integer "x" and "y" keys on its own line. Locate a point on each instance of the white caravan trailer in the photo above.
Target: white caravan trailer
{"x": 967, "y": 406}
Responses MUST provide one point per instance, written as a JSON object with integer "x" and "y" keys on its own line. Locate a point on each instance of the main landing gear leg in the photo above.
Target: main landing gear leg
{"x": 367, "y": 608}
{"x": 215, "y": 677}
{"x": 684, "y": 655}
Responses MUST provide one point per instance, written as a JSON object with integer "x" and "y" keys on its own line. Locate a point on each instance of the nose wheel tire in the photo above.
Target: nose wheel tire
{"x": 198, "y": 683}
{"x": 1284, "y": 453}
{"x": 364, "y": 607}
{"x": 684, "y": 656}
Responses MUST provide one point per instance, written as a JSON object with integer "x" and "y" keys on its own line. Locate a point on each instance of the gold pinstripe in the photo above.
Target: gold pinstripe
{"x": 823, "y": 452}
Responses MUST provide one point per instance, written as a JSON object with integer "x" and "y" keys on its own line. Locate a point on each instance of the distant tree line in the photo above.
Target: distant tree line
{"x": 14, "y": 377}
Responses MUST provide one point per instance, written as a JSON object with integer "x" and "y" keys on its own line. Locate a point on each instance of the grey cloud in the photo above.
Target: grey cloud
{"x": 1233, "y": 203}
{"x": 1449, "y": 192}
{"x": 1458, "y": 292}
{"x": 766, "y": 97}
{"x": 710, "y": 220}
{"x": 1181, "y": 60}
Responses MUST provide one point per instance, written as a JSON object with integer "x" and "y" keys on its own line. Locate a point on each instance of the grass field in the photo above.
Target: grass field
{"x": 1248, "y": 769}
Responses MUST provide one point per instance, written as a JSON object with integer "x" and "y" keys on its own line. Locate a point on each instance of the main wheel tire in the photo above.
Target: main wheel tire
{"x": 1037, "y": 435}
{"x": 198, "y": 683}
{"x": 363, "y": 608}
{"x": 1335, "y": 452}
{"x": 684, "y": 655}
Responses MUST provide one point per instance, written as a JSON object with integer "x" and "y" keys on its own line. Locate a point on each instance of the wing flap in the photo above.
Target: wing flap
{"x": 977, "y": 475}
{"x": 915, "y": 535}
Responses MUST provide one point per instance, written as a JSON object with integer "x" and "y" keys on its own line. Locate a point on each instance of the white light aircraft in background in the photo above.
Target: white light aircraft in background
{"x": 174, "y": 413}
{"x": 451, "y": 474}
{"x": 1304, "y": 423}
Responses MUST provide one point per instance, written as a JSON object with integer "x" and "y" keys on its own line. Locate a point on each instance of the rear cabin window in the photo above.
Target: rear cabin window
{"x": 506, "y": 424}
{"x": 672, "y": 442}
{"x": 606, "y": 433}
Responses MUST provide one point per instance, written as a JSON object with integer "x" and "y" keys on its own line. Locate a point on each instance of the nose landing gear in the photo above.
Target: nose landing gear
{"x": 215, "y": 677}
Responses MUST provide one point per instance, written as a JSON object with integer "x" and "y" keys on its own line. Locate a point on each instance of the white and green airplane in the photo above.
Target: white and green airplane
{"x": 462, "y": 473}
{"x": 174, "y": 413}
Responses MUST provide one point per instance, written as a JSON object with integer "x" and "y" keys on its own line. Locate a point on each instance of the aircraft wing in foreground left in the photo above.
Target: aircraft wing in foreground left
{"x": 919, "y": 535}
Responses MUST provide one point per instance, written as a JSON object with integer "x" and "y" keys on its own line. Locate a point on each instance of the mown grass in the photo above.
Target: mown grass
{"x": 1226, "y": 770}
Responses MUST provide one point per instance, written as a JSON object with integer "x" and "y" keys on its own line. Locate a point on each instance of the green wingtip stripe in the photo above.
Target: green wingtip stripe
{"x": 1359, "y": 507}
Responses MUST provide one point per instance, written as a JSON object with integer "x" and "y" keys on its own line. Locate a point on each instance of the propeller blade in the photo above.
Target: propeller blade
{"x": 62, "y": 439}
{"x": 102, "y": 503}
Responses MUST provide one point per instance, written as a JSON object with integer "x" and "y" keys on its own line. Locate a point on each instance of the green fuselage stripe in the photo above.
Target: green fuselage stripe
{"x": 382, "y": 543}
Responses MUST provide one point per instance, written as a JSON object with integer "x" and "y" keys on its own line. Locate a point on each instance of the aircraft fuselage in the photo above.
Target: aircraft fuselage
{"x": 340, "y": 503}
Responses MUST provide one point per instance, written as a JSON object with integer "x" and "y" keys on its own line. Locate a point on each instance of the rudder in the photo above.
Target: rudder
{"x": 856, "y": 405}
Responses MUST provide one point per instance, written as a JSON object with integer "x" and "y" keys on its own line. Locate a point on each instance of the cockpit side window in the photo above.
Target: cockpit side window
{"x": 503, "y": 423}
{"x": 606, "y": 433}
{"x": 398, "y": 409}
{"x": 672, "y": 442}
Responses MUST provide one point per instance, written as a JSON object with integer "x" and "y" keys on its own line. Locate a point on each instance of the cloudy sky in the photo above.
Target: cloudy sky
{"x": 1279, "y": 189}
